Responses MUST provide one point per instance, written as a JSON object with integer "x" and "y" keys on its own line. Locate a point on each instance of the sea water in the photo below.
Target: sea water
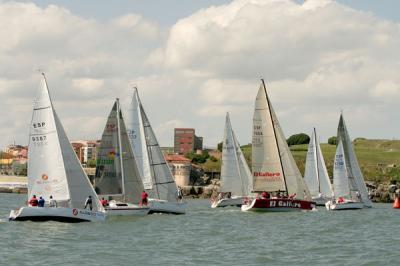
{"x": 206, "y": 236}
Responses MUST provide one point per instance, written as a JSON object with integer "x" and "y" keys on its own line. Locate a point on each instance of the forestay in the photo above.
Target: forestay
{"x": 235, "y": 173}
{"x": 53, "y": 168}
{"x": 354, "y": 171}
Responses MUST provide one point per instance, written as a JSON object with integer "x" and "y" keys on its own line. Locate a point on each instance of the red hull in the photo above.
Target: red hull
{"x": 281, "y": 204}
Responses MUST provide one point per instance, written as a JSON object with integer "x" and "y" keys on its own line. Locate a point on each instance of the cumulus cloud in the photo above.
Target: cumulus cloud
{"x": 317, "y": 58}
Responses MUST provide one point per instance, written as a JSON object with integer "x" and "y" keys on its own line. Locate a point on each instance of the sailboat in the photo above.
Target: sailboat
{"x": 117, "y": 176}
{"x": 350, "y": 191}
{"x": 154, "y": 170}
{"x": 275, "y": 173}
{"x": 316, "y": 175}
{"x": 235, "y": 174}
{"x": 54, "y": 170}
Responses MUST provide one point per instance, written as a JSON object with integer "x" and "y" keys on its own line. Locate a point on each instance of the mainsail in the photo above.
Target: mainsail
{"x": 117, "y": 174}
{"x": 53, "y": 168}
{"x": 274, "y": 168}
{"x": 235, "y": 173}
{"x": 157, "y": 175}
{"x": 316, "y": 175}
{"x": 356, "y": 178}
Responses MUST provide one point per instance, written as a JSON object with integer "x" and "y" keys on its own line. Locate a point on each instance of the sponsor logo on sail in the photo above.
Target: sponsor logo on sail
{"x": 45, "y": 177}
{"x": 268, "y": 176}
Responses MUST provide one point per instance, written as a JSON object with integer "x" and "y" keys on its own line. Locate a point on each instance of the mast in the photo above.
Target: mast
{"x": 120, "y": 150}
{"x": 316, "y": 160}
{"x": 276, "y": 140}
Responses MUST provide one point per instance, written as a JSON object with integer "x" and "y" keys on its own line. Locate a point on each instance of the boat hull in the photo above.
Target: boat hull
{"x": 127, "y": 211}
{"x": 350, "y": 205}
{"x": 59, "y": 214}
{"x": 278, "y": 205}
{"x": 235, "y": 201}
{"x": 162, "y": 206}
{"x": 320, "y": 201}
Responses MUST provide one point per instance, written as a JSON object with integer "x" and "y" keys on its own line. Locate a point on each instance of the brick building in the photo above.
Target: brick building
{"x": 185, "y": 140}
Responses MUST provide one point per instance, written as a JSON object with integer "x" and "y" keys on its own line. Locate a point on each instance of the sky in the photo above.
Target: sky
{"x": 193, "y": 61}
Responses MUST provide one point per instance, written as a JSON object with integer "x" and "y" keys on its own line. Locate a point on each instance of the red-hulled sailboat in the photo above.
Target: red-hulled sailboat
{"x": 275, "y": 173}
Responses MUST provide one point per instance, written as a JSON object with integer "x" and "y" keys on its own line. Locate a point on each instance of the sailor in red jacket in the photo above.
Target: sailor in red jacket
{"x": 144, "y": 198}
{"x": 33, "y": 201}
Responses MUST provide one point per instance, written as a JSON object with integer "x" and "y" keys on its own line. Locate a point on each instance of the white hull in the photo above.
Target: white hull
{"x": 349, "y": 205}
{"x": 162, "y": 206}
{"x": 125, "y": 209}
{"x": 60, "y": 214}
{"x": 320, "y": 201}
{"x": 235, "y": 201}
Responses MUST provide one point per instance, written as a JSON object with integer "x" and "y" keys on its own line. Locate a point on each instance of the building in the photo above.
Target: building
{"x": 85, "y": 150}
{"x": 185, "y": 140}
{"x": 180, "y": 168}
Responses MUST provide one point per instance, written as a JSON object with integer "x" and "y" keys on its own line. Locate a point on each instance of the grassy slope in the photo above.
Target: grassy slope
{"x": 370, "y": 153}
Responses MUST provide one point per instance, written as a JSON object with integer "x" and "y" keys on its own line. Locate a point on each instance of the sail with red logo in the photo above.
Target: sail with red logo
{"x": 54, "y": 171}
{"x": 275, "y": 173}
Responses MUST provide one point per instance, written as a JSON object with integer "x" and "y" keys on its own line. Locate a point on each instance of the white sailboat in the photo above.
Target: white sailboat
{"x": 274, "y": 169}
{"x": 316, "y": 175}
{"x": 236, "y": 176}
{"x": 117, "y": 176}
{"x": 54, "y": 170}
{"x": 350, "y": 191}
{"x": 154, "y": 170}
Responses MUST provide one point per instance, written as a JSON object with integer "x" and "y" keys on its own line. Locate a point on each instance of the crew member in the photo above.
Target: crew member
{"x": 52, "y": 202}
{"x": 144, "y": 198}
{"x": 104, "y": 202}
{"x": 179, "y": 194}
{"x": 41, "y": 202}
{"x": 33, "y": 201}
{"x": 89, "y": 203}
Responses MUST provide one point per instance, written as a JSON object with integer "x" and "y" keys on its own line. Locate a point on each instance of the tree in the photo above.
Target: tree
{"x": 219, "y": 146}
{"x": 332, "y": 140}
{"x": 198, "y": 158}
{"x": 297, "y": 139}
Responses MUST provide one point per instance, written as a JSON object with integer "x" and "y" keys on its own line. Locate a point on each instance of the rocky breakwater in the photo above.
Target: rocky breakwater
{"x": 203, "y": 188}
{"x": 383, "y": 192}
{"x": 13, "y": 184}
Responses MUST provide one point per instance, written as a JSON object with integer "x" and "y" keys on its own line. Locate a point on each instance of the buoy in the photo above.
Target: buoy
{"x": 396, "y": 204}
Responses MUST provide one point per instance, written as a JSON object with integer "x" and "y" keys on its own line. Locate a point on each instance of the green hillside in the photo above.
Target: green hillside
{"x": 379, "y": 159}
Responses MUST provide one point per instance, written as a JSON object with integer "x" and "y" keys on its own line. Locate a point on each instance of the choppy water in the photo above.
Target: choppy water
{"x": 206, "y": 236}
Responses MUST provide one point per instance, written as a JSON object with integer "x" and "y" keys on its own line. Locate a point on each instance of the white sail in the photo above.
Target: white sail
{"x": 235, "y": 173}
{"x": 134, "y": 126}
{"x": 117, "y": 173}
{"x": 162, "y": 182}
{"x": 274, "y": 168}
{"x": 340, "y": 175}
{"x": 356, "y": 178}
{"x": 316, "y": 175}
{"x": 53, "y": 168}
